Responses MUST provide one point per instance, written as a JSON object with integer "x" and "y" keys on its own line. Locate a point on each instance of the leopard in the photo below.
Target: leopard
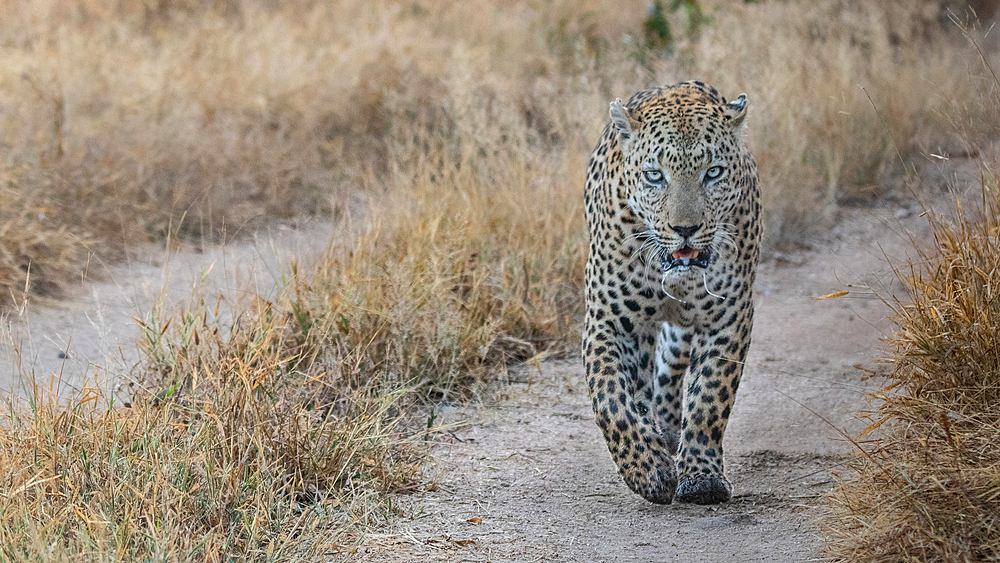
{"x": 673, "y": 211}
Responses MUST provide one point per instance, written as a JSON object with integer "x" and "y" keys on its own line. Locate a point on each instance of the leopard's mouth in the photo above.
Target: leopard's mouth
{"x": 687, "y": 256}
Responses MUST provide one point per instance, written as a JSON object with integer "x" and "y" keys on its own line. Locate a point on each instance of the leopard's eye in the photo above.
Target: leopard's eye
{"x": 714, "y": 173}
{"x": 653, "y": 176}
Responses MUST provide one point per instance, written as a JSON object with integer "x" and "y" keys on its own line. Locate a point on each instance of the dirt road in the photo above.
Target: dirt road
{"x": 92, "y": 339}
{"x": 532, "y": 480}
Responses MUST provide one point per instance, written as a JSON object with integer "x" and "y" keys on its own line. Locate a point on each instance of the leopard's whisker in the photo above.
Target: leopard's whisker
{"x": 663, "y": 287}
{"x": 648, "y": 240}
{"x": 723, "y": 235}
{"x": 704, "y": 281}
{"x": 634, "y": 236}
{"x": 649, "y": 260}
{"x": 641, "y": 251}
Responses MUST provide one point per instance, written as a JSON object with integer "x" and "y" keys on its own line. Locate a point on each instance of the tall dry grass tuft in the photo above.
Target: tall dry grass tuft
{"x": 929, "y": 490}
{"x": 456, "y": 278}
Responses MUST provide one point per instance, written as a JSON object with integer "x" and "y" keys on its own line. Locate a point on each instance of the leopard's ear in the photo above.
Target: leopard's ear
{"x": 623, "y": 122}
{"x": 736, "y": 111}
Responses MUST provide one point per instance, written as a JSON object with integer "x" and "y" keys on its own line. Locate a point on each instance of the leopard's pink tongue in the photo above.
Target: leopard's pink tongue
{"x": 685, "y": 252}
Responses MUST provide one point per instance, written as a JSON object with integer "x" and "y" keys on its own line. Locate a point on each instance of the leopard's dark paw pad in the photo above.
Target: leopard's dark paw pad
{"x": 704, "y": 489}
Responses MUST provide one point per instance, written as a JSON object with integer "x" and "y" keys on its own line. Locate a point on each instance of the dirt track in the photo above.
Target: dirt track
{"x": 92, "y": 340}
{"x": 536, "y": 472}
{"x": 530, "y": 463}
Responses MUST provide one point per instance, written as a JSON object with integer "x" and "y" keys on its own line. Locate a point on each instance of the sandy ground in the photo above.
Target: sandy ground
{"x": 526, "y": 476}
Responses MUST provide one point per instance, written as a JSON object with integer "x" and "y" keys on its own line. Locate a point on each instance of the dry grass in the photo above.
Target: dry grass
{"x": 929, "y": 490}
{"x": 123, "y": 123}
{"x": 231, "y": 452}
{"x": 458, "y": 274}
{"x": 281, "y": 435}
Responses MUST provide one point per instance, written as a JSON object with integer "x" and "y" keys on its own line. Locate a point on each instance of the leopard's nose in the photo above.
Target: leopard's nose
{"x": 685, "y": 231}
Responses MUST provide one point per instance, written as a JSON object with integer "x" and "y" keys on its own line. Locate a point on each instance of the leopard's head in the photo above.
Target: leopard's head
{"x": 684, "y": 151}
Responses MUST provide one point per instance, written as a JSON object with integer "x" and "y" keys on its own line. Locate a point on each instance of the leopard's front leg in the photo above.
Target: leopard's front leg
{"x": 673, "y": 353}
{"x": 613, "y": 356}
{"x": 716, "y": 367}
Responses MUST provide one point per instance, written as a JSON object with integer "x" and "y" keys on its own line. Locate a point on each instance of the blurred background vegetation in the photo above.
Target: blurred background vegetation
{"x": 124, "y": 122}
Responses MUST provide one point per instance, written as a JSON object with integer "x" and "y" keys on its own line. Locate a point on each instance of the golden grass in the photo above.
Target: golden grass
{"x": 281, "y": 435}
{"x": 929, "y": 489}
{"x": 124, "y": 123}
{"x": 461, "y": 276}
{"x": 230, "y": 453}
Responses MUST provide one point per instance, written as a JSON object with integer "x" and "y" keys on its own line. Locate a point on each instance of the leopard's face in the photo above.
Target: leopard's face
{"x": 680, "y": 171}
